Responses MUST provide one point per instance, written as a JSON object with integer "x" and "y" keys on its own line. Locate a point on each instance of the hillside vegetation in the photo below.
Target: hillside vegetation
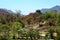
{"x": 14, "y": 25}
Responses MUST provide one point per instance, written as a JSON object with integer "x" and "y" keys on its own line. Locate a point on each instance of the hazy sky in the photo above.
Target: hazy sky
{"x": 27, "y": 6}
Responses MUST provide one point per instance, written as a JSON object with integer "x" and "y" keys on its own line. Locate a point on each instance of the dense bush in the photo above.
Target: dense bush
{"x": 47, "y": 15}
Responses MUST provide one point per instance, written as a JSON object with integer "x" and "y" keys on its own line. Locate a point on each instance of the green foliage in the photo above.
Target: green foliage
{"x": 47, "y": 15}
{"x": 12, "y": 25}
{"x": 58, "y": 20}
{"x": 58, "y": 32}
{"x": 4, "y": 32}
{"x": 34, "y": 34}
{"x": 17, "y": 24}
{"x": 50, "y": 30}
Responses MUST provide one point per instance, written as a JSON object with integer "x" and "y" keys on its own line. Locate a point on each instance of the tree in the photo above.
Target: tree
{"x": 38, "y": 11}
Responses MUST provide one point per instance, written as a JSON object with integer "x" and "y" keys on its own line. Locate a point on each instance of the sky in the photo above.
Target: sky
{"x": 27, "y": 6}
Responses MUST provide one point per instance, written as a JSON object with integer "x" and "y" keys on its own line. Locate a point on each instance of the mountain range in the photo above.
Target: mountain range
{"x": 5, "y": 11}
{"x": 57, "y": 7}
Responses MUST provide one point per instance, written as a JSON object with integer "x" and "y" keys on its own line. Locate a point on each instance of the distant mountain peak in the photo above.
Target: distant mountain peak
{"x": 57, "y": 7}
{"x": 5, "y": 10}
